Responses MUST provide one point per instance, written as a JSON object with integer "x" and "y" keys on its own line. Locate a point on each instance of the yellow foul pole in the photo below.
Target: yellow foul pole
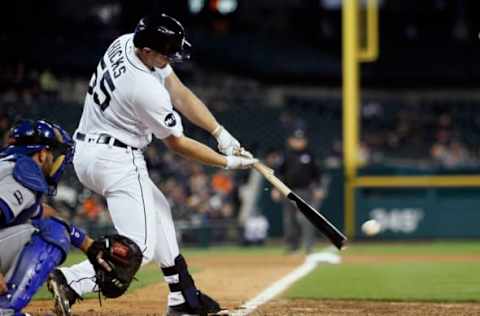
{"x": 350, "y": 73}
{"x": 370, "y": 52}
{"x": 353, "y": 54}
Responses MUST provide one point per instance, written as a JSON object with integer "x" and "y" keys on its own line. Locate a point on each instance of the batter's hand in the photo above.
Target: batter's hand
{"x": 237, "y": 162}
{"x": 242, "y": 152}
{"x": 3, "y": 285}
{"x": 227, "y": 144}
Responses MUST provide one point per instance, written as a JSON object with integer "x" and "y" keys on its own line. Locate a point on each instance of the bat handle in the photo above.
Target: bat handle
{"x": 263, "y": 169}
{"x": 269, "y": 175}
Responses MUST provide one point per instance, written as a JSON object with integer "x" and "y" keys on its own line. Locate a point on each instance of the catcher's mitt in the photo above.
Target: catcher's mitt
{"x": 115, "y": 259}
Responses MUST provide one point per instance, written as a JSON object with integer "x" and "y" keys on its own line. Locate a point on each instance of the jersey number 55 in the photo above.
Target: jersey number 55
{"x": 103, "y": 88}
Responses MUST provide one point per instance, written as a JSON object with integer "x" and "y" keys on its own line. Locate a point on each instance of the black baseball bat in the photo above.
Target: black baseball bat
{"x": 314, "y": 216}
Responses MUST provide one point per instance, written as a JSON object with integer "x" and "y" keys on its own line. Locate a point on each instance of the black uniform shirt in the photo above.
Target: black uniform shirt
{"x": 299, "y": 169}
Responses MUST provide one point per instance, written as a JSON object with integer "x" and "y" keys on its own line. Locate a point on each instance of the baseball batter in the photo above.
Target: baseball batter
{"x": 133, "y": 94}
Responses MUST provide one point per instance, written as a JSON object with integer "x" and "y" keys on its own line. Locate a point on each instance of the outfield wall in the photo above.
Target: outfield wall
{"x": 404, "y": 212}
{"x": 407, "y": 213}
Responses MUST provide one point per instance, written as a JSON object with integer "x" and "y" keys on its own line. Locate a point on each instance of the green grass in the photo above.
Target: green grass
{"x": 414, "y": 248}
{"x": 398, "y": 281}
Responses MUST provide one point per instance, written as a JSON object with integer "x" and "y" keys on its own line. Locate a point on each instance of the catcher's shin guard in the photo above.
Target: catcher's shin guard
{"x": 36, "y": 260}
{"x": 192, "y": 302}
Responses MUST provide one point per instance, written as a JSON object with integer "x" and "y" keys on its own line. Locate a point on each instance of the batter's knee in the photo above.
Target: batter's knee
{"x": 147, "y": 250}
{"x": 147, "y": 257}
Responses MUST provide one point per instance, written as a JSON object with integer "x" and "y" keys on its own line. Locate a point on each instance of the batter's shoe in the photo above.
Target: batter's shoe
{"x": 63, "y": 294}
{"x": 209, "y": 307}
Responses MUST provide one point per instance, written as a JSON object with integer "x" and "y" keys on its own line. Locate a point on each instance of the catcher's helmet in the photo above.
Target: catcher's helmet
{"x": 27, "y": 137}
{"x": 163, "y": 34}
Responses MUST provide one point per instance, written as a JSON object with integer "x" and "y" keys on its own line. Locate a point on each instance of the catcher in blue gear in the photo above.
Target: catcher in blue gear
{"x": 31, "y": 245}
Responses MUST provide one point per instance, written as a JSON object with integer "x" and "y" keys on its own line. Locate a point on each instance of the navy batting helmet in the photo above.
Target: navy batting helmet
{"x": 163, "y": 34}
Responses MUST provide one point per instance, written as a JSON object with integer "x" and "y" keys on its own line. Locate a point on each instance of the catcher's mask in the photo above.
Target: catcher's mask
{"x": 28, "y": 137}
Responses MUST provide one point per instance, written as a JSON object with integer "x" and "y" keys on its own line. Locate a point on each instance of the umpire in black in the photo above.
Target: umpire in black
{"x": 300, "y": 172}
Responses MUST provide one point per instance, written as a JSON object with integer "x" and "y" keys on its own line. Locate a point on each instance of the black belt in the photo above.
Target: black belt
{"x": 104, "y": 139}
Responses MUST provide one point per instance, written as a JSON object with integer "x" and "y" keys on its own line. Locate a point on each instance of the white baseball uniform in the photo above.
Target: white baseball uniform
{"x": 129, "y": 102}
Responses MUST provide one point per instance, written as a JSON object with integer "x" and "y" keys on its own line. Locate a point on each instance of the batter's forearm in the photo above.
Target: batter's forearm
{"x": 191, "y": 149}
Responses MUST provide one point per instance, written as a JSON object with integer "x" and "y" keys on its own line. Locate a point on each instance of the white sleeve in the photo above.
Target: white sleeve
{"x": 14, "y": 198}
{"x": 154, "y": 108}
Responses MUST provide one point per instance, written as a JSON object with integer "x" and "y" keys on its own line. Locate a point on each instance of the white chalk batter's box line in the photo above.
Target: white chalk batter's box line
{"x": 327, "y": 255}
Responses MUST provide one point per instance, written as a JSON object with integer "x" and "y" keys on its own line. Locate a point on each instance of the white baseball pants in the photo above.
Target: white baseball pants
{"x": 139, "y": 210}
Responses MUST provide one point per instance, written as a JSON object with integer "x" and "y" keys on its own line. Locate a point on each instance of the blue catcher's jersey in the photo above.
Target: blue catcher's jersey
{"x": 22, "y": 185}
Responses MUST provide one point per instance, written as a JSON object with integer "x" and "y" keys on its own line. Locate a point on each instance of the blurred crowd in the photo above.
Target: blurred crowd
{"x": 425, "y": 132}
{"x": 24, "y": 88}
{"x": 22, "y": 84}
{"x": 193, "y": 190}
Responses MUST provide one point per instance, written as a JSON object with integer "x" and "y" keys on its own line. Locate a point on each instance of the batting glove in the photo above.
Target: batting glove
{"x": 243, "y": 153}
{"x": 237, "y": 162}
{"x": 227, "y": 144}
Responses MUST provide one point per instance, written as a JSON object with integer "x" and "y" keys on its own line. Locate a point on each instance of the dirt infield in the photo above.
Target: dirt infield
{"x": 232, "y": 280}
{"x": 235, "y": 279}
